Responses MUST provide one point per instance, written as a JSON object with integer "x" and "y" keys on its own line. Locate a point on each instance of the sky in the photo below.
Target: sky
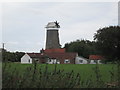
{"x": 23, "y": 23}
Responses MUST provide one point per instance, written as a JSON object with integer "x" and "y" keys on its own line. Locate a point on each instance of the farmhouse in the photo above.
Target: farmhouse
{"x": 59, "y": 56}
{"x": 52, "y": 56}
{"x": 32, "y": 57}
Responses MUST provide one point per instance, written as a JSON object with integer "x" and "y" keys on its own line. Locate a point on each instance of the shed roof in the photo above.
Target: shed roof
{"x": 96, "y": 57}
{"x": 35, "y": 55}
{"x": 59, "y": 56}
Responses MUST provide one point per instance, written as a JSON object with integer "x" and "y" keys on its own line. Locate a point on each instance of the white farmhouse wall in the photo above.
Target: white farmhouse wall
{"x": 53, "y": 61}
{"x": 26, "y": 59}
{"x": 80, "y": 60}
{"x": 95, "y": 61}
{"x": 99, "y": 62}
{"x": 92, "y": 62}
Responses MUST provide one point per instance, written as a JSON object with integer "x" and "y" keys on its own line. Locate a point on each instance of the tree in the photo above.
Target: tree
{"x": 11, "y": 56}
{"x": 18, "y": 56}
{"x": 82, "y": 47}
{"x": 108, "y": 42}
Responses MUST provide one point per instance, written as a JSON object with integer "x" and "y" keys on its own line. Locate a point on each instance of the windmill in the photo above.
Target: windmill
{"x": 52, "y": 35}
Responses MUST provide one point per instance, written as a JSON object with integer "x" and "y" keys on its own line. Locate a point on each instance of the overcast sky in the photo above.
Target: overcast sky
{"x": 23, "y": 24}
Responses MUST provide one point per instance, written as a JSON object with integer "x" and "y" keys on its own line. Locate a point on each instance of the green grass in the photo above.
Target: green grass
{"x": 59, "y": 75}
{"x": 86, "y": 70}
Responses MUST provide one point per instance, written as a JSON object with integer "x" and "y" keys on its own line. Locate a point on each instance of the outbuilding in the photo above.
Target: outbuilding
{"x": 96, "y": 59}
{"x": 81, "y": 60}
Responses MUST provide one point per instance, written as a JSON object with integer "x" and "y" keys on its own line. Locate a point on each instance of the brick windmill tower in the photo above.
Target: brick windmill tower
{"x": 52, "y": 35}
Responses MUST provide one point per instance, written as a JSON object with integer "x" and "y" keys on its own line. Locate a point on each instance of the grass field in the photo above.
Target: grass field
{"x": 86, "y": 71}
{"x": 16, "y": 75}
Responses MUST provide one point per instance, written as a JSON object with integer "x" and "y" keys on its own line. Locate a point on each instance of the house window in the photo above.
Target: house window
{"x": 58, "y": 62}
{"x": 81, "y": 61}
{"x": 95, "y": 61}
{"x": 99, "y": 61}
{"x": 29, "y": 60}
{"x": 49, "y": 60}
{"x": 66, "y": 61}
{"x": 54, "y": 61}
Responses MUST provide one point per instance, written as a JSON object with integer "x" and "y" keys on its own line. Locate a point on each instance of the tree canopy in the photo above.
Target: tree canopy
{"x": 82, "y": 47}
{"x": 11, "y": 56}
{"x": 108, "y": 42}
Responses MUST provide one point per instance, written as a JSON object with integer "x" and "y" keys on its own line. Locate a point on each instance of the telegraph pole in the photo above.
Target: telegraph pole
{"x": 3, "y": 46}
{"x": 3, "y": 51}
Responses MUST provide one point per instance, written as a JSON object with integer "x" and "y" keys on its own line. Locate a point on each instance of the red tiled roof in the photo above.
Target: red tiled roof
{"x": 61, "y": 55}
{"x": 57, "y": 50}
{"x": 95, "y": 57}
{"x": 54, "y": 55}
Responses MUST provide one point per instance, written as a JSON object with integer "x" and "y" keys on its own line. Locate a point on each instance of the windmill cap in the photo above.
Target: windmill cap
{"x": 53, "y": 25}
